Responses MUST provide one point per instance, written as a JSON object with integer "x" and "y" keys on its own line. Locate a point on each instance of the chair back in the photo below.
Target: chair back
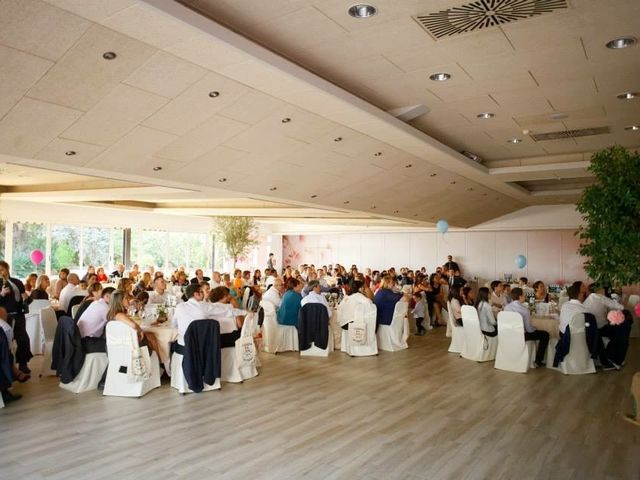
{"x": 49, "y": 323}
{"x": 471, "y": 323}
{"x": 249, "y": 325}
{"x": 245, "y": 298}
{"x": 511, "y": 330}
{"x": 450, "y": 318}
{"x": 399, "y": 314}
{"x": 313, "y": 326}
{"x": 578, "y": 361}
{"x": 121, "y": 339}
{"x": 76, "y": 300}
{"x": 36, "y": 305}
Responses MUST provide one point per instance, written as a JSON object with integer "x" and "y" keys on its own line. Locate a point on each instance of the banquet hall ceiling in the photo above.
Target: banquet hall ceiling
{"x": 188, "y": 104}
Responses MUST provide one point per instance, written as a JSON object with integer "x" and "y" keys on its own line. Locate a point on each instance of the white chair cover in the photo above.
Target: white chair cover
{"x": 288, "y": 338}
{"x": 392, "y": 338}
{"x": 477, "y": 346}
{"x": 315, "y": 351}
{"x": 364, "y": 314}
{"x": 121, "y": 340}
{"x": 90, "y": 374}
{"x": 180, "y": 383}
{"x": 33, "y": 325}
{"x": 578, "y": 361}
{"x": 74, "y": 310}
{"x": 36, "y": 305}
{"x": 233, "y": 369}
{"x": 631, "y": 304}
{"x": 245, "y": 298}
{"x": 514, "y": 354}
{"x": 49, "y": 324}
{"x": 457, "y": 333}
{"x": 277, "y": 338}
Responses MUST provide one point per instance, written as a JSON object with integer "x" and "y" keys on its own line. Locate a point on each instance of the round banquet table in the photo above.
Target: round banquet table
{"x": 548, "y": 323}
{"x": 166, "y": 335}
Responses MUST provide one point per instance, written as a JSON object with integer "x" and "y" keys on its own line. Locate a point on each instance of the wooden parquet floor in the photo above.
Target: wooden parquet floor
{"x": 417, "y": 414}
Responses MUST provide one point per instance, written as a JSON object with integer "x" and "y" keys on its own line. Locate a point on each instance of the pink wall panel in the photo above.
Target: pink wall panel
{"x": 572, "y": 262}
{"x": 508, "y": 246}
{"x": 480, "y": 260}
{"x": 544, "y": 255}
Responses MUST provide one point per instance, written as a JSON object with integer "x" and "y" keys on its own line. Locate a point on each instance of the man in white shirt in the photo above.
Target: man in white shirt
{"x": 271, "y": 278}
{"x": 69, "y": 291}
{"x": 599, "y": 305}
{"x": 571, "y": 308}
{"x": 498, "y": 300}
{"x": 530, "y": 333}
{"x": 159, "y": 294}
{"x": 274, "y": 294}
{"x": 216, "y": 281}
{"x": 314, "y": 296}
{"x": 93, "y": 320}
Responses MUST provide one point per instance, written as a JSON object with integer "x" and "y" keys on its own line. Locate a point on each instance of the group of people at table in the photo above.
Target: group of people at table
{"x": 220, "y": 298}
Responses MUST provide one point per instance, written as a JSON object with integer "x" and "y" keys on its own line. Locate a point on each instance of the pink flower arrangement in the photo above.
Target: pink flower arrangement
{"x": 615, "y": 317}
{"x": 637, "y": 310}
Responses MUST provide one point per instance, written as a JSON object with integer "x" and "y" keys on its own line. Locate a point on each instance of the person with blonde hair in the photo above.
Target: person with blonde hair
{"x": 118, "y": 307}
{"x": 385, "y": 300}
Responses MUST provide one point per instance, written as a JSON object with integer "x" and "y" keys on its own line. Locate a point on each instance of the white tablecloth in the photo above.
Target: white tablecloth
{"x": 35, "y": 332}
{"x": 165, "y": 335}
{"x": 550, "y": 324}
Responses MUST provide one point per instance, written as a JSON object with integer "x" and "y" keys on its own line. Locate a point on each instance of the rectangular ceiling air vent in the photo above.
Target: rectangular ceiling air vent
{"x": 564, "y": 134}
{"x": 480, "y": 14}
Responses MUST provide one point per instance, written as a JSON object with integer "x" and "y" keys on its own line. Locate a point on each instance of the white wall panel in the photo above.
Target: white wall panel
{"x": 508, "y": 246}
{"x": 572, "y": 262}
{"x": 349, "y": 248}
{"x": 480, "y": 260}
{"x": 544, "y": 255}
{"x": 424, "y": 251}
{"x": 397, "y": 250}
{"x": 372, "y": 253}
{"x": 452, "y": 243}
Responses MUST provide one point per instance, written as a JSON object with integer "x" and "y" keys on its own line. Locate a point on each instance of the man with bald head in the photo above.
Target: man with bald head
{"x": 71, "y": 290}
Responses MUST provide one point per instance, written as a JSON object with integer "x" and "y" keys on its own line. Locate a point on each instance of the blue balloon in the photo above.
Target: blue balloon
{"x": 521, "y": 261}
{"x": 442, "y": 226}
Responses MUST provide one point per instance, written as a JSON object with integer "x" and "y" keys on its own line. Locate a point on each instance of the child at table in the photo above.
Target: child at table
{"x": 418, "y": 313}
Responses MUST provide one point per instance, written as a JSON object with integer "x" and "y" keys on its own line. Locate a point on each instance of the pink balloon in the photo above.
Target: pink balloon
{"x": 37, "y": 256}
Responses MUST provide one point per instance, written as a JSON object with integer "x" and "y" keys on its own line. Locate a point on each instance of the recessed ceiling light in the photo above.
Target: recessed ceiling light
{"x": 453, "y": 182}
{"x": 346, "y": 202}
{"x": 514, "y": 140}
{"x": 396, "y": 211}
{"x": 486, "y": 115}
{"x": 628, "y": 95}
{"x": 408, "y": 165}
{"x": 109, "y": 55}
{"x": 214, "y": 94}
{"x": 222, "y": 179}
{"x": 157, "y": 169}
{"x": 373, "y": 207}
{"x": 433, "y": 174}
{"x": 377, "y": 154}
{"x": 415, "y": 214}
{"x": 273, "y": 189}
{"x": 633, "y": 128}
{"x": 622, "y": 42}
{"x": 362, "y": 10}
{"x": 314, "y": 196}
{"x": 558, "y": 116}
{"x": 337, "y": 139}
{"x": 470, "y": 189}
{"x": 485, "y": 194}
{"x": 70, "y": 153}
{"x": 286, "y": 120}
{"x": 440, "y": 77}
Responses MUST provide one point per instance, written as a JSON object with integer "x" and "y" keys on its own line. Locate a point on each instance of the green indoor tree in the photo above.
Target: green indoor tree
{"x": 237, "y": 234}
{"x": 610, "y": 238}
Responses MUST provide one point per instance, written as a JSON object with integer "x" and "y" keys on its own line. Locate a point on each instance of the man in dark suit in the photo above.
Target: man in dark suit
{"x": 11, "y": 291}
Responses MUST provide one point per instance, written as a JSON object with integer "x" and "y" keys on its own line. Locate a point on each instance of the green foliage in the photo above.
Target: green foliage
{"x": 237, "y": 234}
{"x": 26, "y": 238}
{"x": 611, "y": 209}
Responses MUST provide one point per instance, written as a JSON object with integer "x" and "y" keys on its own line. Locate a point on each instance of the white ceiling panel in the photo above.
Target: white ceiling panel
{"x": 69, "y": 152}
{"x": 93, "y": 10}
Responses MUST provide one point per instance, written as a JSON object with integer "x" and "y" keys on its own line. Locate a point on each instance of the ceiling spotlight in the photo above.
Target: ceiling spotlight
{"x": 408, "y": 165}
{"x": 622, "y": 42}
{"x": 222, "y": 179}
{"x": 362, "y": 10}
{"x": 346, "y": 202}
{"x": 286, "y": 120}
{"x": 440, "y": 77}
{"x": 273, "y": 189}
{"x": 396, "y": 211}
{"x": 471, "y": 156}
{"x": 433, "y": 174}
{"x": 514, "y": 140}
{"x": 373, "y": 207}
{"x": 486, "y": 115}
{"x": 558, "y": 116}
{"x": 314, "y": 196}
{"x": 157, "y": 169}
{"x": 628, "y": 95}
{"x": 453, "y": 182}
{"x": 214, "y": 94}
{"x": 415, "y": 214}
{"x": 70, "y": 153}
{"x": 470, "y": 189}
{"x": 109, "y": 55}
{"x": 377, "y": 154}
{"x": 632, "y": 128}
{"x": 337, "y": 139}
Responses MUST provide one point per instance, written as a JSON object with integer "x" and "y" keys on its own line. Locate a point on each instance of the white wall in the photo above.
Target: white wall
{"x": 552, "y": 254}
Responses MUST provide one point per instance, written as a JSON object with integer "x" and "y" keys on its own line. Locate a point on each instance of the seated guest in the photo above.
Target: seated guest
{"x": 140, "y": 302}
{"x": 206, "y": 289}
{"x": 418, "y": 313}
{"x": 125, "y": 284}
{"x": 270, "y": 277}
{"x": 456, "y": 302}
{"x": 506, "y": 292}
{"x": 497, "y": 298}
{"x": 73, "y": 289}
{"x": 523, "y": 283}
{"x": 584, "y": 290}
{"x": 40, "y": 292}
{"x": 488, "y": 322}
{"x": 181, "y": 279}
{"x": 144, "y": 285}
{"x": 159, "y": 295}
{"x": 216, "y": 281}
{"x": 530, "y": 333}
{"x": 274, "y": 294}
{"x": 231, "y": 318}
{"x": 93, "y": 319}
{"x": 572, "y": 307}
{"x": 94, "y": 293}
{"x": 61, "y": 282}
{"x": 599, "y": 304}
{"x": 189, "y": 311}
{"x": 118, "y": 306}
{"x": 199, "y": 278}
{"x": 257, "y": 278}
{"x": 290, "y": 304}
{"x": 385, "y": 300}
{"x": 8, "y": 331}
{"x": 118, "y": 272}
{"x": 90, "y": 270}
{"x": 349, "y": 304}
{"x": 468, "y": 296}
{"x": 315, "y": 296}
{"x": 246, "y": 278}
{"x": 540, "y": 292}
{"x": 102, "y": 277}
{"x": 30, "y": 284}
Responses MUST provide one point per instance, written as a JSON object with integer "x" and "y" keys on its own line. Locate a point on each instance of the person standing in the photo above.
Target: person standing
{"x": 271, "y": 263}
{"x": 11, "y": 291}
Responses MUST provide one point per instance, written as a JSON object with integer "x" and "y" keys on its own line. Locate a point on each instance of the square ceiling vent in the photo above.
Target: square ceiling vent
{"x": 481, "y": 14}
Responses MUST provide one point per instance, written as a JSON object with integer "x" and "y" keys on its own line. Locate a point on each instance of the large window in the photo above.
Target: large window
{"x": 27, "y": 237}
{"x": 198, "y": 251}
{"x": 148, "y": 248}
{"x": 117, "y": 239}
{"x": 65, "y": 248}
{"x": 178, "y": 250}
{"x": 95, "y": 243}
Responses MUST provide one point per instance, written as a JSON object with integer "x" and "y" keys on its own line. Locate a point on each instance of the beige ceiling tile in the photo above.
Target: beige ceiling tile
{"x": 200, "y": 140}
{"x": 417, "y": 57}
{"x": 596, "y": 142}
{"x": 18, "y": 72}
{"x": 60, "y": 148}
{"x": 613, "y": 82}
{"x": 158, "y": 29}
{"x": 264, "y": 143}
{"x": 373, "y": 66}
{"x": 194, "y": 105}
{"x": 393, "y": 35}
{"x": 152, "y": 75}
{"x": 568, "y": 145}
{"x": 484, "y": 43}
{"x": 115, "y": 115}
{"x": 545, "y": 31}
{"x": 93, "y": 10}
{"x": 39, "y": 28}
{"x": 134, "y": 150}
{"x": 225, "y": 158}
{"x": 82, "y": 77}
{"x": 252, "y": 107}
{"x": 207, "y": 51}
{"x": 247, "y": 12}
{"x": 518, "y": 104}
{"x": 573, "y": 95}
{"x": 31, "y": 125}
{"x": 479, "y": 88}
{"x": 488, "y": 68}
{"x": 388, "y": 10}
